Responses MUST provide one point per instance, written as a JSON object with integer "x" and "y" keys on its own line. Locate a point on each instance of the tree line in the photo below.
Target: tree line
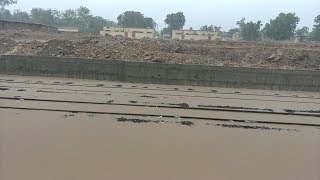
{"x": 283, "y": 27}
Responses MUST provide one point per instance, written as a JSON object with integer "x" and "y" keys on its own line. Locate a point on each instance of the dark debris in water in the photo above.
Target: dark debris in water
{"x": 122, "y": 119}
{"x": 41, "y": 91}
{"x": 291, "y": 111}
{"x": 235, "y": 108}
{"x": 186, "y": 123}
{"x": 148, "y": 96}
{"x": 253, "y": 127}
{"x": 21, "y": 90}
{"x": 183, "y": 105}
{"x": 4, "y": 89}
{"x": 110, "y": 101}
{"x": 145, "y": 121}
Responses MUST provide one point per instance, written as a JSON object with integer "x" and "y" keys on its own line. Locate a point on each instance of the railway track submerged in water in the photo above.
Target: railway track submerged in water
{"x": 161, "y": 111}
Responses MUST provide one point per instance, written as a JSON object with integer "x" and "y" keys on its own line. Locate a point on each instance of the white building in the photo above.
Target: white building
{"x": 194, "y": 35}
{"x": 68, "y": 29}
{"x": 137, "y": 33}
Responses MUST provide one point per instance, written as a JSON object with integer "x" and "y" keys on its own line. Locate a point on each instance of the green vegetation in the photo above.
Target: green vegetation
{"x": 4, "y": 3}
{"x": 81, "y": 18}
{"x": 175, "y": 21}
{"x": 249, "y": 31}
{"x": 302, "y": 33}
{"x": 136, "y": 20}
{"x": 283, "y": 27}
{"x": 315, "y": 34}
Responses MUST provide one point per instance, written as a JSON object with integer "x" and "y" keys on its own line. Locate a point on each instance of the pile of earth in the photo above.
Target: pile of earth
{"x": 6, "y": 45}
{"x": 220, "y": 53}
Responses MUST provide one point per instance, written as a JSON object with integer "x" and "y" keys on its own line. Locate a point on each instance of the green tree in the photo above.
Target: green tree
{"x": 45, "y": 16}
{"x": 315, "y": 34}
{"x": 4, "y": 3}
{"x": 207, "y": 28}
{"x": 232, "y": 31}
{"x": 166, "y": 30}
{"x": 5, "y": 14}
{"x": 135, "y": 20}
{"x": 283, "y": 27}
{"x": 21, "y": 16}
{"x": 175, "y": 21}
{"x": 69, "y": 18}
{"x": 250, "y": 31}
{"x": 302, "y": 33}
{"x": 96, "y": 24}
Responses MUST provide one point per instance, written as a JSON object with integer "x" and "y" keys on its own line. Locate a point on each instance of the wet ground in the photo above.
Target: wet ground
{"x": 77, "y": 129}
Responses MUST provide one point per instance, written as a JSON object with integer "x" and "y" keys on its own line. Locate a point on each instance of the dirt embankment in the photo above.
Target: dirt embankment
{"x": 221, "y": 53}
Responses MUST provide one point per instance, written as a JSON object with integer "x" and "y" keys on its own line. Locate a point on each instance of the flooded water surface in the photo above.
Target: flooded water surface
{"x": 39, "y": 145}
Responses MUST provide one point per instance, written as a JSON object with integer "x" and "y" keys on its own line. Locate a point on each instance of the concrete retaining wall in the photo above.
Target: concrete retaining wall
{"x": 12, "y": 25}
{"x": 156, "y": 73}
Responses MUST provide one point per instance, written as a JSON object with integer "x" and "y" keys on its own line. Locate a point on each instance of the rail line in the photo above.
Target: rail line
{"x": 157, "y": 115}
{"x": 162, "y": 89}
{"x": 166, "y": 106}
{"x": 159, "y": 94}
{"x": 168, "y": 111}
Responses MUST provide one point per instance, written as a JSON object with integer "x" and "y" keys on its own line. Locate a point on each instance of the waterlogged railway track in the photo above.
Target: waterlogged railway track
{"x": 162, "y": 111}
{"x": 292, "y": 108}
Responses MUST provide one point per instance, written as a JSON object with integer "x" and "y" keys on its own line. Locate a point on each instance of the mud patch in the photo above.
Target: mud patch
{"x": 99, "y": 85}
{"x": 119, "y": 85}
{"x": 21, "y": 90}
{"x": 253, "y": 127}
{"x": 133, "y": 102}
{"x": 4, "y": 89}
{"x": 235, "y": 108}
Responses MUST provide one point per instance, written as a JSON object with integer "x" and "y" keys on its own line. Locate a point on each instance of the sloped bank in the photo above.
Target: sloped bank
{"x": 159, "y": 73}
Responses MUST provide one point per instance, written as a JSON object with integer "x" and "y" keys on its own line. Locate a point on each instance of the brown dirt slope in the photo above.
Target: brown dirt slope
{"x": 221, "y": 53}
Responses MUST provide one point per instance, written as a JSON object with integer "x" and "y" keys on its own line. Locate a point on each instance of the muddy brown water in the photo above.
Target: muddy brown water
{"x": 46, "y": 145}
{"x": 39, "y": 145}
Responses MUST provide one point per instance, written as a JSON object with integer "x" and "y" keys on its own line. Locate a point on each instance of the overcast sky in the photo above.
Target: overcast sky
{"x": 223, "y": 13}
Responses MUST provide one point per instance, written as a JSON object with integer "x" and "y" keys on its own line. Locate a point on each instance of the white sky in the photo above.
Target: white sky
{"x": 223, "y": 13}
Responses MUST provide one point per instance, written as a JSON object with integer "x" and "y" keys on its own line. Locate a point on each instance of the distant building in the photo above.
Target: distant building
{"x": 68, "y": 29}
{"x": 136, "y": 33}
{"x": 194, "y": 35}
{"x": 16, "y": 25}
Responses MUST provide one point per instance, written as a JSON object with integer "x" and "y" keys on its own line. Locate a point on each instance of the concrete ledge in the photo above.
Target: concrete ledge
{"x": 156, "y": 73}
